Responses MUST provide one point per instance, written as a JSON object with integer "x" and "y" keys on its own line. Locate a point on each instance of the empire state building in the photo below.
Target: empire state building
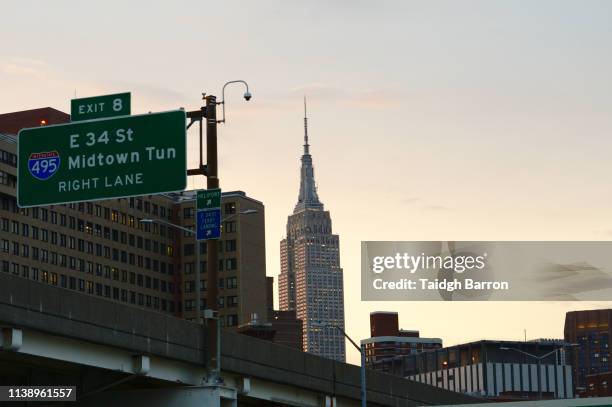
{"x": 311, "y": 280}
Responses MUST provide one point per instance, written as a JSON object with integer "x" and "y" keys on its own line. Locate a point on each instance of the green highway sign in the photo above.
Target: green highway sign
{"x": 208, "y": 198}
{"x": 98, "y": 107}
{"x": 102, "y": 159}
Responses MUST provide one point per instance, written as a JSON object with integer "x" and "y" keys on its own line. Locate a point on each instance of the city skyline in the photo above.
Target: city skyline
{"x": 437, "y": 122}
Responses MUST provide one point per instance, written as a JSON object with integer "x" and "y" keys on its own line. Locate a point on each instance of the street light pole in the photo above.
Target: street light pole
{"x": 212, "y": 182}
{"x": 197, "y": 278}
{"x": 210, "y": 170}
{"x": 363, "y": 376}
{"x": 361, "y": 350}
{"x": 212, "y": 256}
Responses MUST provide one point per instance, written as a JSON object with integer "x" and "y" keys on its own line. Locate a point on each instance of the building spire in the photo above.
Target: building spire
{"x": 308, "y": 197}
{"x": 306, "y": 145}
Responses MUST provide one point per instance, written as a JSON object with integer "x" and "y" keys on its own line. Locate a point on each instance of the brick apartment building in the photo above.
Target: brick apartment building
{"x": 388, "y": 341}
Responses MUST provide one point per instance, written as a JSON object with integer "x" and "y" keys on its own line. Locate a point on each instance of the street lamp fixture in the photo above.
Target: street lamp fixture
{"x": 539, "y": 359}
{"x": 361, "y": 350}
{"x": 247, "y": 96}
{"x": 191, "y": 231}
{"x": 245, "y": 212}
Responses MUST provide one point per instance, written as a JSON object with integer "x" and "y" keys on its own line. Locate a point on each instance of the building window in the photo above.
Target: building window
{"x": 8, "y": 179}
{"x": 232, "y": 320}
{"x": 230, "y": 208}
{"x": 230, "y": 245}
{"x": 189, "y": 286}
{"x": 231, "y": 264}
{"x": 8, "y": 158}
{"x": 188, "y": 268}
{"x": 231, "y": 283}
{"x": 232, "y": 301}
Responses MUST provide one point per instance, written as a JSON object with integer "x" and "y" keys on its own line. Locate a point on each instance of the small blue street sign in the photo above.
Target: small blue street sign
{"x": 208, "y": 224}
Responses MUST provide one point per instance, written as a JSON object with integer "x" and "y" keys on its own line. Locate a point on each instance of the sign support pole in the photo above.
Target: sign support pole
{"x": 212, "y": 182}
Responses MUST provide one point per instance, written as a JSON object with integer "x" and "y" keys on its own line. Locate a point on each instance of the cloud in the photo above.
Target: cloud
{"x": 25, "y": 67}
{"x": 419, "y": 203}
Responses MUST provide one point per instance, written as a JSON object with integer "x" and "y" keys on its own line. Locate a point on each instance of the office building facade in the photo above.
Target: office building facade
{"x": 590, "y": 331}
{"x": 103, "y": 249}
{"x": 311, "y": 281}
{"x": 497, "y": 370}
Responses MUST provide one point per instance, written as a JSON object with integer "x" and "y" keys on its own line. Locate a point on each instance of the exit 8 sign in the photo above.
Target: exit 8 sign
{"x": 98, "y": 107}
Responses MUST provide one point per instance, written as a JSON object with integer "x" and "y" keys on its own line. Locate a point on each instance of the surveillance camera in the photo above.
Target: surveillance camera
{"x": 247, "y": 96}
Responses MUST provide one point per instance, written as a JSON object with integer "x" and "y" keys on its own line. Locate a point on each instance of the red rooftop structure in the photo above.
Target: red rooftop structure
{"x": 11, "y": 123}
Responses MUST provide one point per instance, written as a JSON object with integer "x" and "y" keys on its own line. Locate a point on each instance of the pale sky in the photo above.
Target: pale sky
{"x": 429, "y": 120}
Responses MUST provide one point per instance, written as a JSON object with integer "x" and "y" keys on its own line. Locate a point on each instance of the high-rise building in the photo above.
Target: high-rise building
{"x": 101, "y": 248}
{"x": 311, "y": 278}
{"x": 387, "y": 340}
{"x": 590, "y": 331}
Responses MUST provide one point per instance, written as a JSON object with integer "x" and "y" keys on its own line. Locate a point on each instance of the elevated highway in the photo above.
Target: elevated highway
{"x": 119, "y": 355}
